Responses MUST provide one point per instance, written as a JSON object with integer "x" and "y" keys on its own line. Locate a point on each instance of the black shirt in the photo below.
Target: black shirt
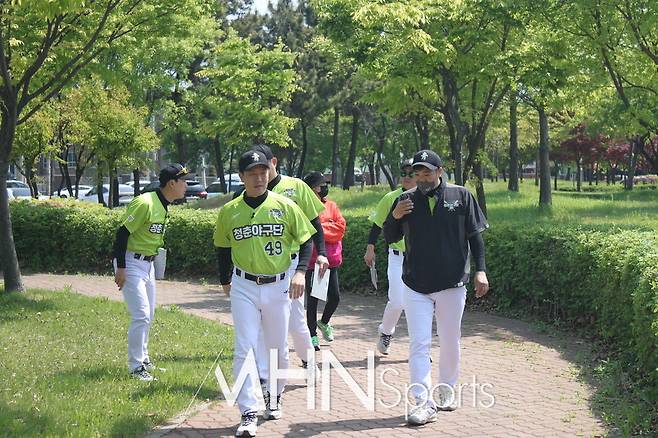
{"x": 436, "y": 242}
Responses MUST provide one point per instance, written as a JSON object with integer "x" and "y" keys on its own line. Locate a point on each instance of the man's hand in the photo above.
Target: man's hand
{"x": 297, "y": 285}
{"x": 120, "y": 277}
{"x": 481, "y": 284}
{"x": 403, "y": 208}
{"x": 227, "y": 289}
{"x": 324, "y": 265}
{"x": 369, "y": 256}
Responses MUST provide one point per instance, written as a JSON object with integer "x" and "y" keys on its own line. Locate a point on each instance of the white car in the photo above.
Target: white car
{"x": 142, "y": 183}
{"x": 125, "y": 194}
{"x": 19, "y": 189}
{"x": 64, "y": 193}
{"x": 214, "y": 189}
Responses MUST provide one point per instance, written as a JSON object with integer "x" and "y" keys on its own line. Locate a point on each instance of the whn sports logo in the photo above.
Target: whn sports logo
{"x": 258, "y": 230}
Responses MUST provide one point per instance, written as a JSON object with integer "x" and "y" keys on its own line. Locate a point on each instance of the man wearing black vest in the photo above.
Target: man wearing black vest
{"x": 441, "y": 225}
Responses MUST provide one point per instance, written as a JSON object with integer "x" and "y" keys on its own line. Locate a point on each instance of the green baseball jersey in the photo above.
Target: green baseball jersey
{"x": 262, "y": 239}
{"x": 381, "y": 212}
{"x": 298, "y": 191}
{"x": 146, "y": 219}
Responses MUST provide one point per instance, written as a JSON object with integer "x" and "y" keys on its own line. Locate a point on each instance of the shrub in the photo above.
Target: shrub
{"x": 605, "y": 280}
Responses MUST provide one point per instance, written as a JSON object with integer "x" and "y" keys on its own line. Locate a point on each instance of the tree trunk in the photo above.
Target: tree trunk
{"x": 371, "y": 170}
{"x": 456, "y": 128}
{"x": 99, "y": 184}
{"x": 579, "y": 177}
{"x": 381, "y": 137}
{"x": 302, "y": 158}
{"x": 414, "y": 133}
{"x": 348, "y": 180}
{"x": 479, "y": 186}
{"x": 136, "y": 174}
{"x": 545, "y": 197}
{"x": 423, "y": 130}
{"x": 632, "y": 162}
{"x": 537, "y": 161}
{"x": 335, "y": 157}
{"x": 555, "y": 179}
{"x": 114, "y": 187}
{"x": 8, "y": 258}
{"x": 513, "y": 183}
{"x": 219, "y": 164}
{"x": 64, "y": 170}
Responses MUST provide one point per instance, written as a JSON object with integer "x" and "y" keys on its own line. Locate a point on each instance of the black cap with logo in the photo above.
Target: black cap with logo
{"x": 427, "y": 158}
{"x": 264, "y": 149}
{"x": 174, "y": 171}
{"x": 252, "y": 158}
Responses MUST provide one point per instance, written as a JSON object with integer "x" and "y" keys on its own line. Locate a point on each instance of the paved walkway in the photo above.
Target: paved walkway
{"x": 531, "y": 376}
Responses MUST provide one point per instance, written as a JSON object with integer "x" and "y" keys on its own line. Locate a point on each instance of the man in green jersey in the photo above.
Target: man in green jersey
{"x": 298, "y": 191}
{"x": 137, "y": 241}
{"x": 256, "y": 233}
{"x": 394, "y": 306}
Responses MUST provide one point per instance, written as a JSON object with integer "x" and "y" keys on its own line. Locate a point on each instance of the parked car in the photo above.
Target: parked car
{"x": 10, "y": 194}
{"x": 142, "y": 183}
{"x": 195, "y": 191}
{"x": 19, "y": 189}
{"x": 151, "y": 187}
{"x": 64, "y": 193}
{"x": 214, "y": 189}
{"x": 125, "y": 194}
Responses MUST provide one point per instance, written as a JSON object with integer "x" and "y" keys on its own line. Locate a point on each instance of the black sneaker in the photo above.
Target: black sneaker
{"x": 384, "y": 343}
{"x": 272, "y": 408}
{"x": 148, "y": 365}
{"x": 248, "y": 424}
{"x": 140, "y": 373}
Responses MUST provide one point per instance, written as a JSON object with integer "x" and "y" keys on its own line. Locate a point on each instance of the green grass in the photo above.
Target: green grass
{"x": 609, "y": 207}
{"x": 64, "y": 372}
{"x": 599, "y": 205}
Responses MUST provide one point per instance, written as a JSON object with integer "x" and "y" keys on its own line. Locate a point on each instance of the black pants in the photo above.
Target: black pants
{"x": 333, "y": 298}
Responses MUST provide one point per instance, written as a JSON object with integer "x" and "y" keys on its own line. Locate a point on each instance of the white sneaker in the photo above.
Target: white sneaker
{"x": 272, "y": 407}
{"x": 447, "y": 399}
{"x": 384, "y": 343}
{"x": 248, "y": 425}
{"x": 140, "y": 373}
{"x": 422, "y": 414}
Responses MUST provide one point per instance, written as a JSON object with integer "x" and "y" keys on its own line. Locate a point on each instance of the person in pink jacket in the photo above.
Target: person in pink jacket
{"x": 333, "y": 225}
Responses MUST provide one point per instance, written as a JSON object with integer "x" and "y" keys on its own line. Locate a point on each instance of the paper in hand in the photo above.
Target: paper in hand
{"x": 320, "y": 285}
{"x": 373, "y": 275}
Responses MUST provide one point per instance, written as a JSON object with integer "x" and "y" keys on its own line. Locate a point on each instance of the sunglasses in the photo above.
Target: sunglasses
{"x": 410, "y": 174}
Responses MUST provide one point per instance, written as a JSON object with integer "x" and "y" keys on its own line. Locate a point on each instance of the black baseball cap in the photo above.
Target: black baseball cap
{"x": 407, "y": 163}
{"x": 251, "y": 159}
{"x": 264, "y": 149}
{"x": 427, "y": 158}
{"x": 174, "y": 171}
{"x": 314, "y": 179}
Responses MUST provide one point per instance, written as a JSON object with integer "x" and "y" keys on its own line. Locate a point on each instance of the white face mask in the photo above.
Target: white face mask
{"x": 426, "y": 186}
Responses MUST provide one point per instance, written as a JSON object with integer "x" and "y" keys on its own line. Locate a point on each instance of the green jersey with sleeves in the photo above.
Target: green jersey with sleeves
{"x": 382, "y": 210}
{"x": 299, "y": 192}
{"x": 145, "y": 218}
{"x": 262, "y": 239}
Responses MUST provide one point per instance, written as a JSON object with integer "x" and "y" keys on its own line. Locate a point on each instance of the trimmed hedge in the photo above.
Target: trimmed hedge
{"x": 606, "y": 280}
{"x": 583, "y": 277}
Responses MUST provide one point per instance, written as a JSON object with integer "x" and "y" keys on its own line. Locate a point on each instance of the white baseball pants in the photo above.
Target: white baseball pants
{"x": 448, "y": 306}
{"x": 259, "y": 310}
{"x": 396, "y": 289}
{"x": 139, "y": 295}
{"x": 297, "y": 328}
